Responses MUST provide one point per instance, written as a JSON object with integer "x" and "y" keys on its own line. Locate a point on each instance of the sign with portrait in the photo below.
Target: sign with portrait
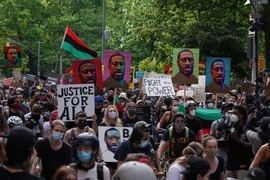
{"x": 132, "y": 75}
{"x": 158, "y": 87}
{"x": 17, "y": 75}
{"x": 75, "y": 98}
{"x": 202, "y": 67}
{"x": 12, "y": 56}
{"x": 218, "y": 75}
{"x": 110, "y": 139}
{"x": 88, "y": 72}
{"x": 185, "y": 66}
{"x": 52, "y": 78}
{"x": 168, "y": 69}
{"x": 117, "y": 69}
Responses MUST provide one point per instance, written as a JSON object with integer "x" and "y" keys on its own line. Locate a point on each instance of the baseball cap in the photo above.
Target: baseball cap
{"x": 139, "y": 101}
{"x": 198, "y": 165}
{"x": 20, "y": 142}
{"x": 98, "y": 99}
{"x": 19, "y": 89}
{"x": 53, "y": 116}
{"x": 131, "y": 104}
{"x": 265, "y": 121}
{"x": 141, "y": 124}
{"x": 53, "y": 84}
{"x": 226, "y": 105}
{"x": 255, "y": 174}
{"x": 123, "y": 95}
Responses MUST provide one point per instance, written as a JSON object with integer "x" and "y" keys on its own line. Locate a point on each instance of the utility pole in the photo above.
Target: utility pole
{"x": 38, "y": 66}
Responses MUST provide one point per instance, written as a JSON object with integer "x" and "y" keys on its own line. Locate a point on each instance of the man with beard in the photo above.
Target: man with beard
{"x": 87, "y": 74}
{"x": 185, "y": 61}
{"x": 15, "y": 108}
{"x": 117, "y": 72}
{"x": 218, "y": 77}
{"x": 112, "y": 139}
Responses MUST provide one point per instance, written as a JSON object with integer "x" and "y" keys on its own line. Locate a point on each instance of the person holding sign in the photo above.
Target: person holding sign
{"x": 137, "y": 143}
{"x": 185, "y": 62}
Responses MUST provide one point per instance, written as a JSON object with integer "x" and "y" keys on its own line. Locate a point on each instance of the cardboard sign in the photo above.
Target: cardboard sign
{"x": 185, "y": 66}
{"x": 110, "y": 139}
{"x": 17, "y": 75}
{"x": 8, "y": 81}
{"x": 117, "y": 69}
{"x": 132, "y": 74}
{"x": 139, "y": 75}
{"x": 75, "y": 98}
{"x": 249, "y": 89}
{"x": 12, "y": 56}
{"x": 144, "y": 113}
{"x": 16, "y": 84}
{"x": 218, "y": 75}
{"x": 189, "y": 93}
{"x": 157, "y": 76}
{"x": 199, "y": 90}
{"x": 158, "y": 87}
{"x": 52, "y": 78}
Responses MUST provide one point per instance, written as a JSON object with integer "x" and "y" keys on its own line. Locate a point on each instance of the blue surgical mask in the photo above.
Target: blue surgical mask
{"x": 143, "y": 144}
{"x": 57, "y": 136}
{"x": 84, "y": 156}
{"x": 47, "y": 114}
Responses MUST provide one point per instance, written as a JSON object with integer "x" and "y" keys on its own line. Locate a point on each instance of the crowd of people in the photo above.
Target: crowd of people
{"x": 36, "y": 144}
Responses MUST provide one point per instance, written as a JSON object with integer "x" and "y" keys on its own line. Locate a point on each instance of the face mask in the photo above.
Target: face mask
{"x": 132, "y": 112}
{"x": 84, "y": 156}
{"x": 179, "y": 126}
{"x": 143, "y": 144}
{"x": 81, "y": 125}
{"x": 35, "y": 117}
{"x": 211, "y": 152}
{"x": 164, "y": 107}
{"x": 112, "y": 115}
{"x": 234, "y": 118}
{"x": 17, "y": 107}
{"x": 47, "y": 114}
{"x": 97, "y": 110}
{"x": 192, "y": 113}
{"x": 57, "y": 136}
{"x": 210, "y": 106}
{"x": 175, "y": 109}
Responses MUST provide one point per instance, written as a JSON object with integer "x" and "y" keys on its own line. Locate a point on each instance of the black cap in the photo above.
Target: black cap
{"x": 88, "y": 139}
{"x": 20, "y": 143}
{"x": 198, "y": 165}
{"x": 255, "y": 174}
{"x": 226, "y": 105}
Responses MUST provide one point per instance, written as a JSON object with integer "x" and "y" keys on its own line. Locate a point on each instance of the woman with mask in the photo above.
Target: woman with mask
{"x": 53, "y": 152}
{"x": 216, "y": 162}
{"x": 167, "y": 117}
{"x": 192, "y": 151}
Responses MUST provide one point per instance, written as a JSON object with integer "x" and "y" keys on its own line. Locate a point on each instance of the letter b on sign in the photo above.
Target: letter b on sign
{"x": 125, "y": 133}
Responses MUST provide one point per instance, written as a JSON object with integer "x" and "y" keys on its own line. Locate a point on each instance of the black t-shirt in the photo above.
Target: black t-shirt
{"x": 126, "y": 148}
{"x": 194, "y": 124}
{"x": 6, "y": 175}
{"x": 19, "y": 114}
{"x": 51, "y": 159}
{"x": 178, "y": 142}
{"x": 127, "y": 122}
{"x": 220, "y": 169}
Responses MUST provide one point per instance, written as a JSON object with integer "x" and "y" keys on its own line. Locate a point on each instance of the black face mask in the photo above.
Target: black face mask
{"x": 35, "y": 117}
{"x": 98, "y": 110}
{"x": 81, "y": 125}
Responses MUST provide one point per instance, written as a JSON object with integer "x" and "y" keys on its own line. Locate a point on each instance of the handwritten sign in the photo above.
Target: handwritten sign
{"x": 158, "y": 87}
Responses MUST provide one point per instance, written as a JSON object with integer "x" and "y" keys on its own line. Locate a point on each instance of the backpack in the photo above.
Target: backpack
{"x": 171, "y": 135}
{"x": 99, "y": 169}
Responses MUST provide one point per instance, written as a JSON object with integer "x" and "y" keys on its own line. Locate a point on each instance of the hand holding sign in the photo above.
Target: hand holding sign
{"x": 158, "y": 87}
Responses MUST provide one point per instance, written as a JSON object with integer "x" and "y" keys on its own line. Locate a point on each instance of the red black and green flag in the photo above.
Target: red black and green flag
{"x": 76, "y": 47}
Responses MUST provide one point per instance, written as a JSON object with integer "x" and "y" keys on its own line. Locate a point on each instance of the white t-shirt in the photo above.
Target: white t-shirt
{"x": 174, "y": 172}
{"x": 91, "y": 174}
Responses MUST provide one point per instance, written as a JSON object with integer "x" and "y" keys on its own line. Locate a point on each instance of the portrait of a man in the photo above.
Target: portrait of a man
{"x": 12, "y": 56}
{"x": 168, "y": 69}
{"x": 116, "y": 71}
{"x": 216, "y": 76}
{"x": 185, "y": 68}
{"x": 202, "y": 68}
{"x": 88, "y": 72}
{"x": 112, "y": 139}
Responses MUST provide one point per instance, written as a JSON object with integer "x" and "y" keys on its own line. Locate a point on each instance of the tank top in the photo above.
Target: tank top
{"x": 266, "y": 166}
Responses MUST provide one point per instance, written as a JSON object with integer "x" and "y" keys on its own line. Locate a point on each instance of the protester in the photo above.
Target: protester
{"x": 87, "y": 146}
{"x": 48, "y": 108}
{"x": 131, "y": 117}
{"x": 53, "y": 152}
{"x": 21, "y": 155}
{"x": 15, "y": 108}
{"x": 65, "y": 173}
{"x": 192, "y": 151}
{"x": 99, "y": 110}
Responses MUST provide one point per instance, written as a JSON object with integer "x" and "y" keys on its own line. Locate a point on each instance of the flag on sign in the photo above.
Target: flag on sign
{"x": 76, "y": 47}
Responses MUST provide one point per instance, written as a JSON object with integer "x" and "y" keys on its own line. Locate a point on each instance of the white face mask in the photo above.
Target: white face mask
{"x": 192, "y": 112}
{"x": 234, "y": 118}
{"x": 175, "y": 109}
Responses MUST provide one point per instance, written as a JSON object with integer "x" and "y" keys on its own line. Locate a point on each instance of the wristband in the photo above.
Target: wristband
{"x": 101, "y": 161}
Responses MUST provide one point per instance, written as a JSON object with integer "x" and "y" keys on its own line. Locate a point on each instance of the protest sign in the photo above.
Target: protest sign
{"x": 8, "y": 81}
{"x": 17, "y": 75}
{"x": 52, "y": 78}
{"x": 139, "y": 74}
{"x": 199, "y": 90}
{"x": 110, "y": 139}
{"x": 248, "y": 88}
{"x": 75, "y": 98}
{"x": 158, "y": 87}
{"x": 144, "y": 113}
{"x": 132, "y": 74}
{"x": 189, "y": 93}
